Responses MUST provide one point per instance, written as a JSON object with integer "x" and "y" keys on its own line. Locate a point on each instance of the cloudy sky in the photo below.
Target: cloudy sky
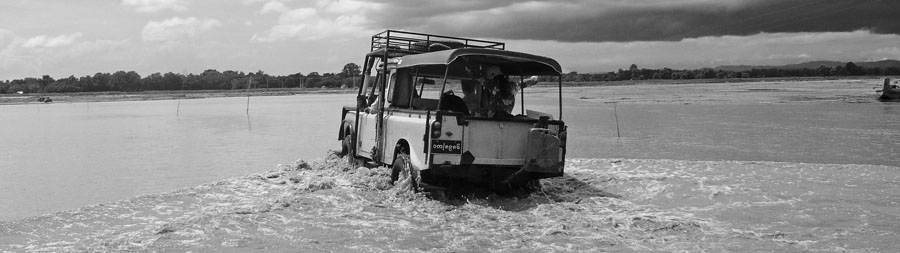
{"x": 65, "y": 37}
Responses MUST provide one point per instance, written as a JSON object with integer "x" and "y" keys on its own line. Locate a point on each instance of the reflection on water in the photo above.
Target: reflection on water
{"x": 63, "y": 156}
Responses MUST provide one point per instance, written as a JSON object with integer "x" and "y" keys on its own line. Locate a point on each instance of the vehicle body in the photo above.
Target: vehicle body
{"x": 440, "y": 139}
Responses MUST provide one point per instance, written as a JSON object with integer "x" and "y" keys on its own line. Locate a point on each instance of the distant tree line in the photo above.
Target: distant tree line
{"x": 635, "y": 73}
{"x": 210, "y": 79}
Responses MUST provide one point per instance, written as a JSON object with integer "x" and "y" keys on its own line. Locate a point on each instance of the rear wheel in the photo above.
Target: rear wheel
{"x": 404, "y": 175}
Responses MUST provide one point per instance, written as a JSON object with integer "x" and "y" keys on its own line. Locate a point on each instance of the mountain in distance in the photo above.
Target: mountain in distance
{"x": 813, "y": 65}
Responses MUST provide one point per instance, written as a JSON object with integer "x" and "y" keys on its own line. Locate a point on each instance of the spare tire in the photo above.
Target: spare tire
{"x": 437, "y": 47}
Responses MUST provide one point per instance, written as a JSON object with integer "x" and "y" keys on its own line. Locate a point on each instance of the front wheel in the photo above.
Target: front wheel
{"x": 348, "y": 151}
{"x": 404, "y": 175}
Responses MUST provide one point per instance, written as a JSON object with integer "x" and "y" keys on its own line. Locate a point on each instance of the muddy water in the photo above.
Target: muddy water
{"x": 61, "y": 156}
{"x": 819, "y": 196}
{"x": 609, "y": 125}
{"x": 600, "y": 205}
{"x": 67, "y": 155}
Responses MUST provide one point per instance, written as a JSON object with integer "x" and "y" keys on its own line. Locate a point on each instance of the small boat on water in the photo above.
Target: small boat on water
{"x": 890, "y": 91}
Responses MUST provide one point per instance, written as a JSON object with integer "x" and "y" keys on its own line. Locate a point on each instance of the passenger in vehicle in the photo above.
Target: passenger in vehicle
{"x": 454, "y": 103}
{"x": 498, "y": 95}
{"x": 506, "y": 96}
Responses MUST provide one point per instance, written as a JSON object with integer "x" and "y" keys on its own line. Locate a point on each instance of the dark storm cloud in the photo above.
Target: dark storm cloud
{"x": 637, "y": 20}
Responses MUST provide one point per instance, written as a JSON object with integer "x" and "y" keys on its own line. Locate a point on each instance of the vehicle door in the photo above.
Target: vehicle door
{"x": 368, "y": 117}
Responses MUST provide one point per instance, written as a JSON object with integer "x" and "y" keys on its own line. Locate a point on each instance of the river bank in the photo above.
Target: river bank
{"x": 600, "y": 205}
{"x": 683, "y": 91}
{"x": 764, "y": 91}
{"x": 93, "y": 97}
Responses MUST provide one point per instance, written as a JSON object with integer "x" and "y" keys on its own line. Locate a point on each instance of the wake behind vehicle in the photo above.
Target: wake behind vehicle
{"x": 442, "y": 112}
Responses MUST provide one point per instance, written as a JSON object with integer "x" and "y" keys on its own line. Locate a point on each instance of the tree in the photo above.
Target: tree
{"x": 154, "y": 81}
{"x": 86, "y": 83}
{"x": 133, "y": 81}
{"x": 839, "y": 71}
{"x": 892, "y": 71}
{"x": 213, "y": 79}
{"x": 350, "y": 70}
{"x": 852, "y": 69}
{"x": 634, "y": 72}
{"x": 823, "y": 70}
{"x": 125, "y": 81}
{"x": 45, "y": 80}
{"x": 571, "y": 77}
{"x": 101, "y": 81}
{"x": 118, "y": 80}
{"x": 313, "y": 79}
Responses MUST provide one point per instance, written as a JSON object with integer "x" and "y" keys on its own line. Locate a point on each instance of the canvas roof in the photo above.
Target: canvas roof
{"x": 510, "y": 62}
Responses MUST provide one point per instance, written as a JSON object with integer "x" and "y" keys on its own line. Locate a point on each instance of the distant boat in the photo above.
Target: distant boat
{"x": 889, "y": 92}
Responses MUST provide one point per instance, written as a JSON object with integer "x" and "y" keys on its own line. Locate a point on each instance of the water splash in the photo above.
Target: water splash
{"x": 599, "y": 205}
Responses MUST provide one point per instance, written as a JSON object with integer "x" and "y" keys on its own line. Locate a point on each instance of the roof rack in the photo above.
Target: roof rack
{"x": 398, "y": 43}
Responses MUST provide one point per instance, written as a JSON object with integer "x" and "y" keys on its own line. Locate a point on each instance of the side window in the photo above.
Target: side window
{"x": 434, "y": 92}
{"x": 373, "y": 88}
{"x": 452, "y": 99}
{"x": 392, "y": 86}
{"x": 401, "y": 89}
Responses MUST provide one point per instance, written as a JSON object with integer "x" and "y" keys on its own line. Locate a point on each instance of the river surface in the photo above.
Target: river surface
{"x": 63, "y": 156}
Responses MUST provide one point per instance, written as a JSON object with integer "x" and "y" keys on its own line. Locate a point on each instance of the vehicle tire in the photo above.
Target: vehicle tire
{"x": 347, "y": 150}
{"x": 346, "y": 145}
{"x": 404, "y": 175}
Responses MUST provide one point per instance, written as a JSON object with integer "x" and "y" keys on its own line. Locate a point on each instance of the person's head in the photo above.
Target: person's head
{"x": 492, "y": 72}
{"x": 501, "y": 79}
{"x": 507, "y": 88}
